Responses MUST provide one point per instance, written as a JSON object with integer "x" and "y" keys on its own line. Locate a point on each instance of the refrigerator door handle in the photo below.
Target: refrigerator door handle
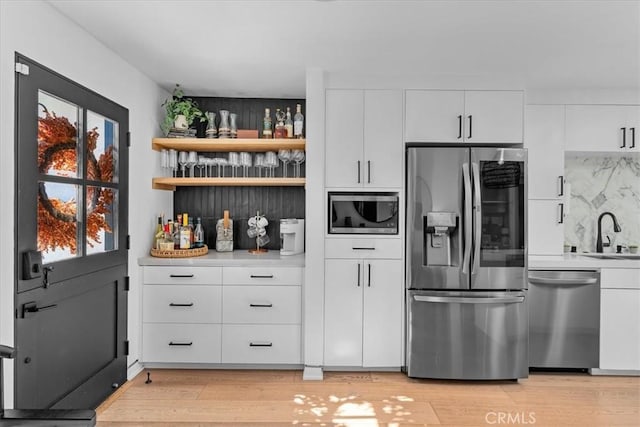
{"x": 469, "y": 300}
{"x": 477, "y": 226}
{"x": 466, "y": 196}
{"x": 560, "y": 282}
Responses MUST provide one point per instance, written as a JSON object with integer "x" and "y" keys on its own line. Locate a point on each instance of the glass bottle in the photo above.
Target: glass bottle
{"x": 233, "y": 126}
{"x": 280, "y": 131}
{"x": 191, "y": 233}
{"x": 176, "y": 232}
{"x": 266, "y": 124}
{"x": 298, "y": 123}
{"x": 185, "y": 234}
{"x": 159, "y": 234}
{"x": 198, "y": 239}
{"x": 288, "y": 124}
{"x": 224, "y": 130}
{"x": 211, "y": 131}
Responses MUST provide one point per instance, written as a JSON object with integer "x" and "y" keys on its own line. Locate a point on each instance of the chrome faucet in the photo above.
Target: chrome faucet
{"x": 616, "y": 228}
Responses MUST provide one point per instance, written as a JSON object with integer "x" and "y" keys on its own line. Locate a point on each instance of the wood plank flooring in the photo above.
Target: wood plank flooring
{"x": 275, "y": 398}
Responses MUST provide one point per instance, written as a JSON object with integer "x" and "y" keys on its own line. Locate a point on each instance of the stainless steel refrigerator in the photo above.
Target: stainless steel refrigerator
{"x": 466, "y": 259}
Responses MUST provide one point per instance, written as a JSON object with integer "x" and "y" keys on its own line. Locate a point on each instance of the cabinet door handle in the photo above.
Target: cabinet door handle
{"x": 561, "y": 185}
{"x": 459, "y": 126}
{"x": 633, "y": 137}
{"x": 560, "y": 213}
{"x": 358, "y": 171}
{"x": 262, "y": 276}
{"x": 363, "y": 249}
{"x": 175, "y": 304}
{"x": 260, "y": 305}
{"x": 369, "y": 278}
{"x": 181, "y": 275}
{"x": 624, "y": 137}
{"x": 368, "y": 171}
{"x": 184, "y": 344}
{"x": 470, "y": 126}
{"x": 358, "y": 267}
{"x": 260, "y": 344}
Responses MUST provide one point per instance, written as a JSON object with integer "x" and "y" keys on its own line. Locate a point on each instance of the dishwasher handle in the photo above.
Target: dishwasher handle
{"x": 469, "y": 300}
{"x": 536, "y": 280}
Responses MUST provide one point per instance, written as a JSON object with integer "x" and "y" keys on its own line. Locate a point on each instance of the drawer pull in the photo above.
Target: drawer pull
{"x": 260, "y": 344}
{"x": 176, "y": 304}
{"x": 186, "y": 344}
{"x": 181, "y": 275}
{"x": 260, "y": 305}
{"x": 363, "y": 249}
{"x": 262, "y": 276}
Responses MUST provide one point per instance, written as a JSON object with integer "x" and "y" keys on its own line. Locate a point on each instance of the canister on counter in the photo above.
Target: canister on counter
{"x": 224, "y": 234}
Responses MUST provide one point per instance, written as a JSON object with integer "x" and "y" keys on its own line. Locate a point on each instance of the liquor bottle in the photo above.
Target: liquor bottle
{"x": 288, "y": 123}
{"x": 198, "y": 234}
{"x": 191, "y": 233}
{"x": 298, "y": 123}
{"x": 185, "y": 234}
{"x": 157, "y": 237}
{"x": 175, "y": 232}
{"x": 266, "y": 124}
{"x": 280, "y": 131}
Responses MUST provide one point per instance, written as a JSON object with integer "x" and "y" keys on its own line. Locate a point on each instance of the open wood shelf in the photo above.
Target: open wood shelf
{"x": 227, "y": 144}
{"x": 171, "y": 183}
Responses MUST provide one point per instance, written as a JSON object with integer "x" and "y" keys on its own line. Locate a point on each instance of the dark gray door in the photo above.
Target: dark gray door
{"x": 71, "y": 241}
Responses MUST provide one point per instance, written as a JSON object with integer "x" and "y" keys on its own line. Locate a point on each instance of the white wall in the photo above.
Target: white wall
{"x": 38, "y": 31}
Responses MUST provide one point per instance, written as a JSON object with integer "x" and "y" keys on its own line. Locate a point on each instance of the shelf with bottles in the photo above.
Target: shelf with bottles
{"x": 227, "y": 144}
{"x": 170, "y": 183}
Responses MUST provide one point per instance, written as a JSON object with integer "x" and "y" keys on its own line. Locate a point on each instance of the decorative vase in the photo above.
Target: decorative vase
{"x": 224, "y": 130}
{"x": 233, "y": 125}
{"x": 180, "y": 122}
{"x": 211, "y": 131}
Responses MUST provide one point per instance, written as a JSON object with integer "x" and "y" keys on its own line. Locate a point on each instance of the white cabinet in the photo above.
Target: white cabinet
{"x": 546, "y": 227}
{"x": 363, "y": 312}
{"x": 471, "y": 116}
{"x": 603, "y": 128}
{"x": 620, "y": 319}
{"x": 363, "y": 138}
{"x": 544, "y": 141}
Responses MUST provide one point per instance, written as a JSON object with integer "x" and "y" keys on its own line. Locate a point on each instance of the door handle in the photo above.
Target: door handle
{"x": 363, "y": 249}
{"x": 459, "y": 126}
{"x": 478, "y": 218}
{"x": 467, "y": 218}
{"x": 369, "y": 278}
{"x": 175, "y": 304}
{"x": 561, "y": 185}
{"x": 32, "y": 307}
{"x": 46, "y": 270}
{"x": 261, "y": 305}
{"x": 560, "y": 213}
{"x": 624, "y": 137}
{"x": 548, "y": 281}
{"x": 633, "y": 137}
{"x": 469, "y": 300}
{"x": 470, "y": 126}
{"x": 358, "y": 171}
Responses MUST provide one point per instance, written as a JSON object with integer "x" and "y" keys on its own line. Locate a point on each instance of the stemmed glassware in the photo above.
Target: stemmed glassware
{"x": 298, "y": 157}
{"x": 271, "y": 162}
{"x": 164, "y": 158}
{"x": 285, "y": 156}
{"x": 245, "y": 162}
{"x": 202, "y": 161}
{"x": 221, "y": 164}
{"x": 234, "y": 162}
{"x": 192, "y": 160}
{"x": 259, "y": 164}
{"x": 173, "y": 161}
{"x": 183, "y": 157}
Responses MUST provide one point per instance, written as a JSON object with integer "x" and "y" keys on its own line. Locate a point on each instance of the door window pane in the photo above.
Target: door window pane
{"x": 102, "y": 224}
{"x": 502, "y": 191}
{"x": 57, "y": 136}
{"x": 102, "y": 148}
{"x": 57, "y": 221}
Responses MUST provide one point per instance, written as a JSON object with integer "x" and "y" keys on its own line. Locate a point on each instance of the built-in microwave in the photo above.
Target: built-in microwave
{"x": 363, "y": 213}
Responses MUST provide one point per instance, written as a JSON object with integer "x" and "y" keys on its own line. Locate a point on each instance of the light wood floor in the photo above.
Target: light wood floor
{"x": 265, "y": 398}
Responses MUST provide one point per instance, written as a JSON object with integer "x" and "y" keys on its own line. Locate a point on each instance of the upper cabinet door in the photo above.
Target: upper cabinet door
{"x": 632, "y": 114}
{"x": 544, "y": 139}
{"x": 383, "y": 148}
{"x": 493, "y": 117}
{"x": 599, "y": 128}
{"x": 434, "y": 116}
{"x": 344, "y": 138}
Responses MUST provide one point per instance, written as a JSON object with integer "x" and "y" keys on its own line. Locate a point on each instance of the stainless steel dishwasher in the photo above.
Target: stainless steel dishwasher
{"x": 564, "y": 319}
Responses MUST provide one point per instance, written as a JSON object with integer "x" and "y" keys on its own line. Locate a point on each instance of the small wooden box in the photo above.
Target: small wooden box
{"x": 247, "y": 134}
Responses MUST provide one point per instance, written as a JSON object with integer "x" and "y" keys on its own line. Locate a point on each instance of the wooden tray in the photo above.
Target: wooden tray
{"x": 180, "y": 253}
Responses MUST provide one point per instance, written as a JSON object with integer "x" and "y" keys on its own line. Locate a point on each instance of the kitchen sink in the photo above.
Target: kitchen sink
{"x": 612, "y": 256}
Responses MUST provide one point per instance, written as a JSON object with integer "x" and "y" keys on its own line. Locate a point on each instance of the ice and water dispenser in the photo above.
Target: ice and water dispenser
{"x": 439, "y": 227}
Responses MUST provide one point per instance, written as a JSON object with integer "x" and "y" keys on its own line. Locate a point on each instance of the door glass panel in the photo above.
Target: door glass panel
{"x": 502, "y": 193}
{"x": 102, "y": 148}
{"x": 57, "y": 136}
{"x": 57, "y": 221}
{"x": 102, "y": 208}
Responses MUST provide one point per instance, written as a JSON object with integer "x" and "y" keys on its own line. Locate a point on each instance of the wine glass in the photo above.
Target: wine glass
{"x": 285, "y": 156}
{"x": 192, "y": 160}
{"x": 164, "y": 158}
{"x": 221, "y": 164}
{"x": 182, "y": 160}
{"x": 173, "y": 161}
{"x": 298, "y": 157}
{"x": 259, "y": 164}
{"x": 271, "y": 161}
{"x": 245, "y": 162}
{"x": 234, "y": 162}
{"x": 202, "y": 161}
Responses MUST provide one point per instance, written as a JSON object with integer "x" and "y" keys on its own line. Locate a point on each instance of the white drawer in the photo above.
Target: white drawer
{"x": 262, "y": 276}
{"x": 261, "y": 344}
{"x": 182, "y": 304}
{"x": 261, "y": 304}
{"x": 620, "y": 278}
{"x": 363, "y": 248}
{"x": 187, "y": 343}
{"x": 169, "y": 275}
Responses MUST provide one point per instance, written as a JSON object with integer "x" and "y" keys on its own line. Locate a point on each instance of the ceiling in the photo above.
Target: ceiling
{"x": 262, "y": 48}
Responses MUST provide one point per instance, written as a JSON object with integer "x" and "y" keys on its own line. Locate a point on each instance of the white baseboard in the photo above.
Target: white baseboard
{"x": 618, "y": 372}
{"x": 312, "y": 373}
{"x": 134, "y": 370}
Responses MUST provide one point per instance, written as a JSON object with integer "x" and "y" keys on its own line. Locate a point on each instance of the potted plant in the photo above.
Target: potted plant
{"x": 180, "y": 111}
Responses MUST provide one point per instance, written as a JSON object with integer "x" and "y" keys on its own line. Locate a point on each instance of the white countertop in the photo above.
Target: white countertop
{"x": 230, "y": 259}
{"x": 571, "y": 261}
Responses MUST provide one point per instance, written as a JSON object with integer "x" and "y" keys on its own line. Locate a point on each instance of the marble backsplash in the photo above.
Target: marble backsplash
{"x": 597, "y": 184}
